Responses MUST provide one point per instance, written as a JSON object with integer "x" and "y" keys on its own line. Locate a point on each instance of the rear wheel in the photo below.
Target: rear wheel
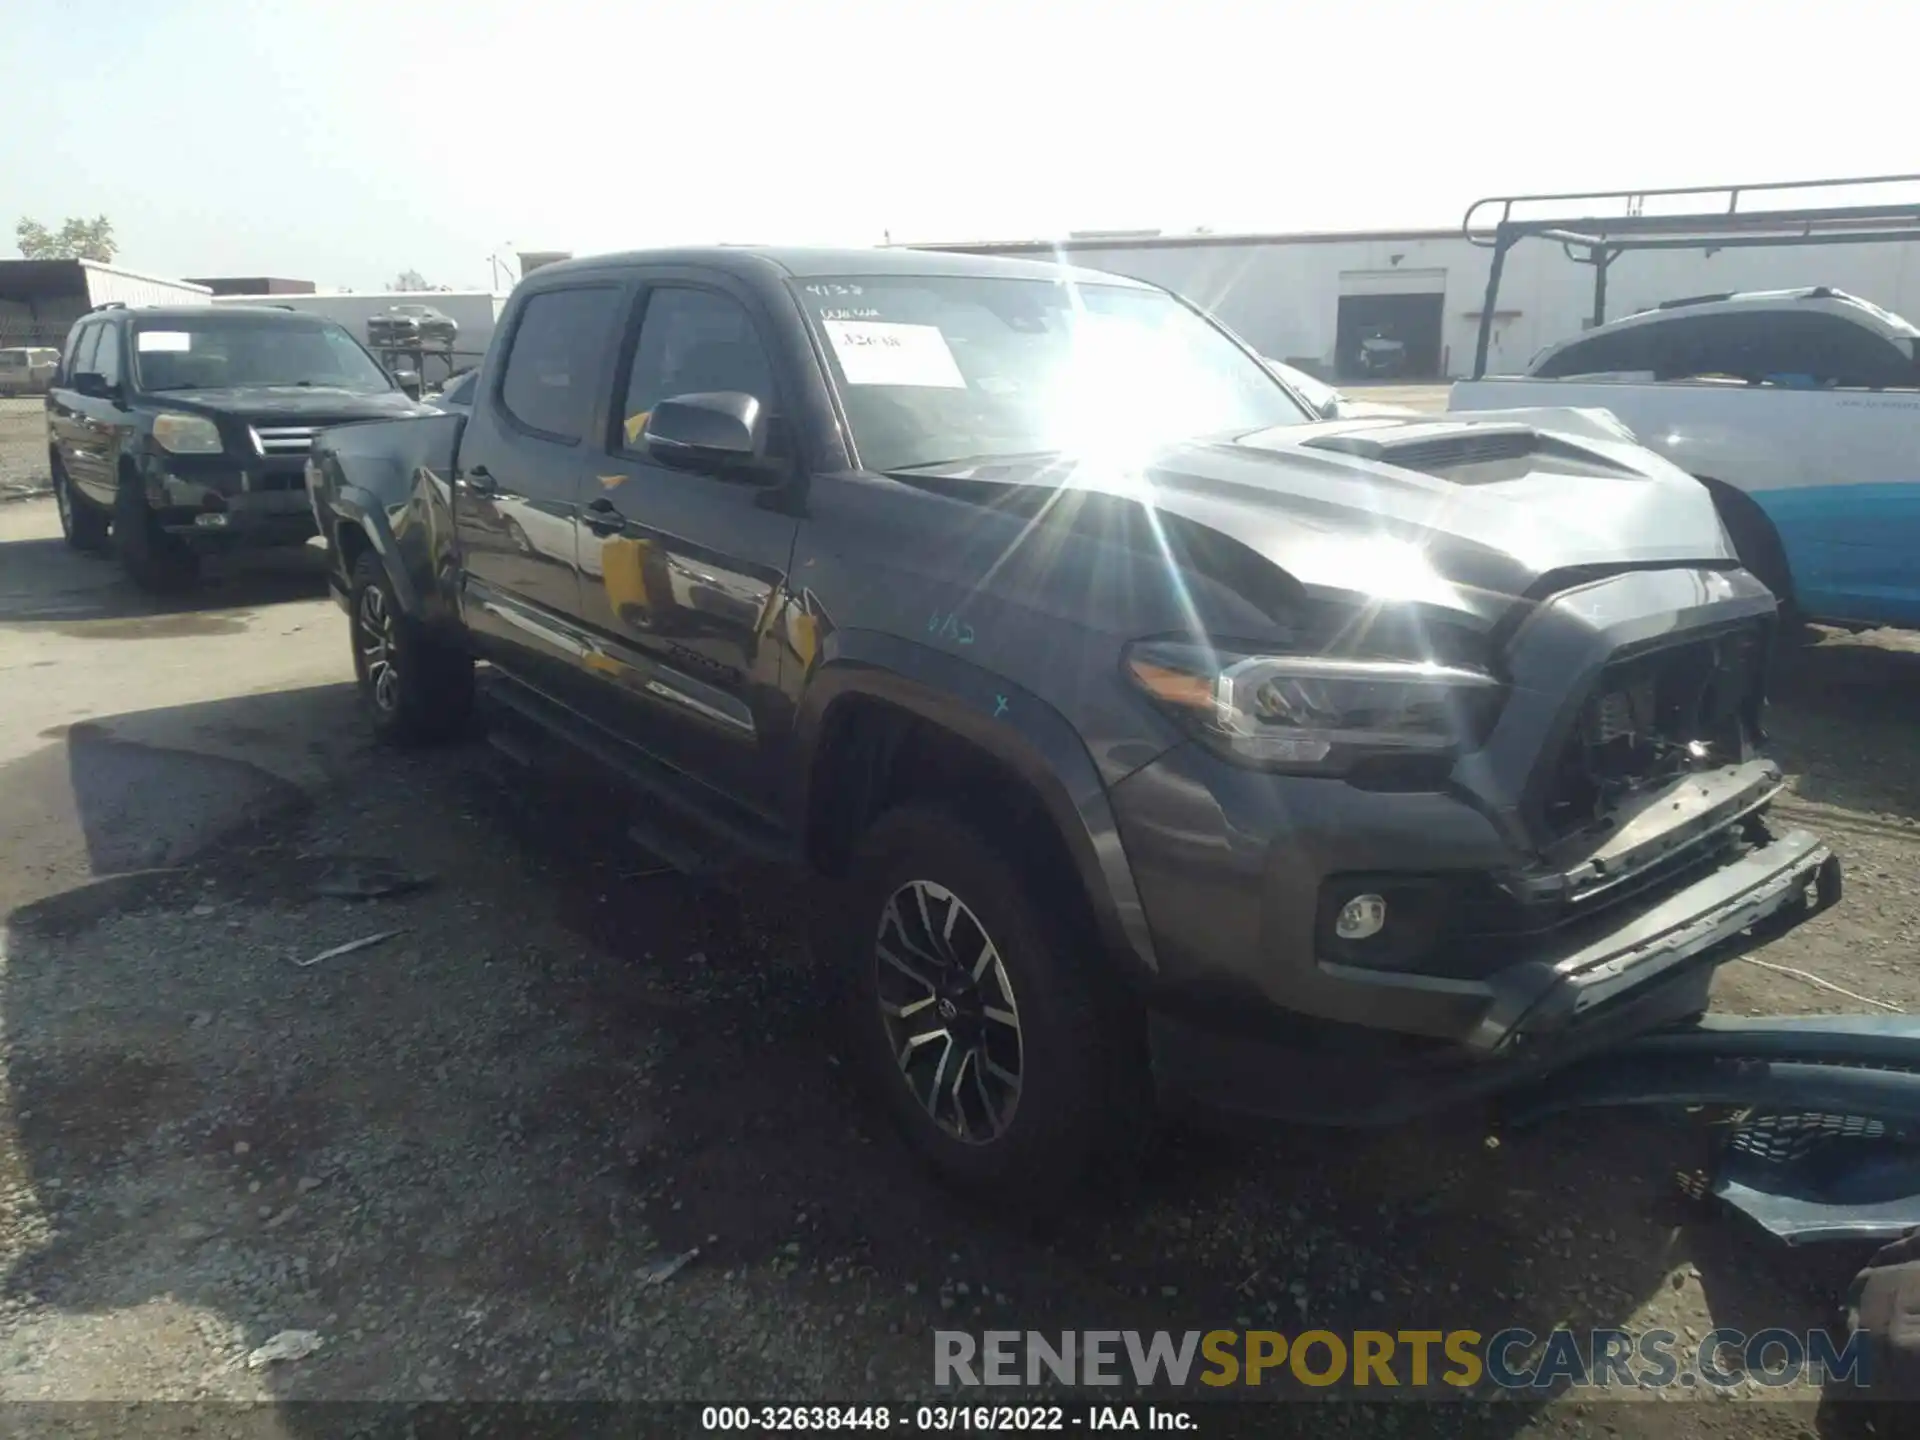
{"x": 154, "y": 560}
{"x": 977, "y": 1020}
{"x": 417, "y": 688}
{"x": 82, "y": 522}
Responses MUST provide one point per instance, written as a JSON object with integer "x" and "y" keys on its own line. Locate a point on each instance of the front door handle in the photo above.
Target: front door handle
{"x": 603, "y": 518}
{"x": 481, "y": 482}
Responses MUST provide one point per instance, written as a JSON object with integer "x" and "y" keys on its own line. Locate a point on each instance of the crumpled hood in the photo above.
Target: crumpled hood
{"x": 292, "y": 403}
{"x": 1464, "y": 514}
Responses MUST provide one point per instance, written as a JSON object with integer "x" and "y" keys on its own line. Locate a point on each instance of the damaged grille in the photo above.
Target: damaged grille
{"x": 1652, "y": 718}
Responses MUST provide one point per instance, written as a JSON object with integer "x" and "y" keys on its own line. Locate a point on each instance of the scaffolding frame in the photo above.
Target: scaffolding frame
{"x": 1719, "y": 224}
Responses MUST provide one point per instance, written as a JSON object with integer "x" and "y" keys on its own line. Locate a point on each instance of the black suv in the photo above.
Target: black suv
{"x": 182, "y": 429}
{"x": 1140, "y": 732}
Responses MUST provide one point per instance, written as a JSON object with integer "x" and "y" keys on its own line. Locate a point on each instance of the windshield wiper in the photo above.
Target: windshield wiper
{"x": 1008, "y": 457}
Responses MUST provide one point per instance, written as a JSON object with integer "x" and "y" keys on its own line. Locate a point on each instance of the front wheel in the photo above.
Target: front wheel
{"x": 417, "y": 688}
{"x": 157, "y": 562}
{"x": 977, "y": 1019}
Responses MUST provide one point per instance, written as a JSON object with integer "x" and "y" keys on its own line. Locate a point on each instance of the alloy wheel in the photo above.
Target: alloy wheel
{"x": 949, "y": 1012}
{"x": 374, "y": 624}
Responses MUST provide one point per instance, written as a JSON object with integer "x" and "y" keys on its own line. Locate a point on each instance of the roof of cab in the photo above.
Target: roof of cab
{"x": 801, "y": 262}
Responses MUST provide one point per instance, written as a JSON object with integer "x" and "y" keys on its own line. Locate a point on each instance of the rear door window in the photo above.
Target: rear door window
{"x": 106, "y": 355}
{"x": 556, "y": 361}
{"x": 1822, "y": 349}
{"x": 80, "y": 354}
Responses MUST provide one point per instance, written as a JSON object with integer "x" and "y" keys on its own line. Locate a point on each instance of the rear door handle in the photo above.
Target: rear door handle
{"x": 481, "y": 482}
{"x": 604, "y": 518}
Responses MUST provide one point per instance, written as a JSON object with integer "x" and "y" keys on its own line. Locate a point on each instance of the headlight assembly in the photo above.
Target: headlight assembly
{"x": 187, "y": 434}
{"x": 1317, "y": 713}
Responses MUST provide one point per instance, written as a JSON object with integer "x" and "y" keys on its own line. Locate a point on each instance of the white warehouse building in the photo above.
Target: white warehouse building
{"x": 1309, "y": 299}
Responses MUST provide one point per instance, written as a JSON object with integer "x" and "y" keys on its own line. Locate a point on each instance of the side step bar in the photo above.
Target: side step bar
{"x": 719, "y": 833}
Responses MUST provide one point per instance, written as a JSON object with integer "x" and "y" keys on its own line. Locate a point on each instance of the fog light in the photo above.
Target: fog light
{"x": 211, "y": 521}
{"x": 1361, "y": 918}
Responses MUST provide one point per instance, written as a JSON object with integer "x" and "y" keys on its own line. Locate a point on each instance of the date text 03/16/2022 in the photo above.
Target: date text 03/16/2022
{"x": 945, "y": 1419}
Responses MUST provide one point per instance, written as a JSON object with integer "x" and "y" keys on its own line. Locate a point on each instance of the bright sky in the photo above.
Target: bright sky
{"x": 347, "y": 140}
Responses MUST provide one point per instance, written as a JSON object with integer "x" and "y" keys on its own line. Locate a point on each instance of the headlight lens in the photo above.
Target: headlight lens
{"x": 1317, "y": 713}
{"x": 187, "y": 434}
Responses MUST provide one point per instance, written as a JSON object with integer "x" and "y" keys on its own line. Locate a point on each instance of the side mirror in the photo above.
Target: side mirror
{"x": 1330, "y": 408}
{"x": 95, "y": 386}
{"x": 710, "y": 431}
{"x": 409, "y": 382}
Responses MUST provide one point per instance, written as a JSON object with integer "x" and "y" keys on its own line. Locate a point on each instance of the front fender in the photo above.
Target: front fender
{"x": 389, "y": 481}
{"x": 359, "y": 507}
{"x": 1014, "y": 726}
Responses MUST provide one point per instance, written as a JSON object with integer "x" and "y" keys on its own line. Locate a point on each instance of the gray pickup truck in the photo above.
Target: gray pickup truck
{"x": 1142, "y": 735}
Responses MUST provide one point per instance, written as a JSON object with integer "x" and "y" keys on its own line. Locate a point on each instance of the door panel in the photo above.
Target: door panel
{"x": 70, "y": 422}
{"x": 683, "y": 574}
{"x": 107, "y": 423}
{"x": 524, "y": 458}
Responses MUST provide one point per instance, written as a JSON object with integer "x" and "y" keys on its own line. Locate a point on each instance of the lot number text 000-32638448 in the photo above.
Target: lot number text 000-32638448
{"x": 942, "y": 1419}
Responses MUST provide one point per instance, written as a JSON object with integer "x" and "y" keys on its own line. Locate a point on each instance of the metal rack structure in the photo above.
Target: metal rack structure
{"x": 1718, "y": 224}
{"x": 448, "y": 361}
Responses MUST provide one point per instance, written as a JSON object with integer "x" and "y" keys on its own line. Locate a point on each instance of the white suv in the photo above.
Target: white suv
{"x": 1814, "y": 338}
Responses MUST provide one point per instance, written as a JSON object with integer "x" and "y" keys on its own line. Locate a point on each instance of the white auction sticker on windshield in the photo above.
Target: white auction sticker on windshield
{"x": 165, "y": 340}
{"x": 877, "y": 352}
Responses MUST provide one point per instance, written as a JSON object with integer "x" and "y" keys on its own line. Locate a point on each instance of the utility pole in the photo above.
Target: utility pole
{"x": 494, "y": 261}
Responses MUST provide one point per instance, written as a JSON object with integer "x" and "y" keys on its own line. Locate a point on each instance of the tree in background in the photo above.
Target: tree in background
{"x": 409, "y": 280}
{"x": 76, "y": 239}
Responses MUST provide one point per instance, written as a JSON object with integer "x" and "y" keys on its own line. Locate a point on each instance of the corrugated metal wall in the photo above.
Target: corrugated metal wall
{"x": 105, "y": 283}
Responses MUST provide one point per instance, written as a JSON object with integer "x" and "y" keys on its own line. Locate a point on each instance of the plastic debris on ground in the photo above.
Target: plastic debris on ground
{"x": 287, "y": 1345}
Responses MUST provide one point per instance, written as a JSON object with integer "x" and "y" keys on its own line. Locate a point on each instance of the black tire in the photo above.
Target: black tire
{"x": 1082, "y": 1091}
{"x": 82, "y": 522}
{"x": 157, "y": 562}
{"x": 417, "y": 689}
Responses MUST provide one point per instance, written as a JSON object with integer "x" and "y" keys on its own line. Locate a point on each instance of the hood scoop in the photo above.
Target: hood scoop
{"x": 1469, "y": 454}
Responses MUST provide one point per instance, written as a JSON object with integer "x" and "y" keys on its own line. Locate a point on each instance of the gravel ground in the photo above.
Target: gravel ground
{"x": 23, "y": 447}
{"x": 463, "y": 1155}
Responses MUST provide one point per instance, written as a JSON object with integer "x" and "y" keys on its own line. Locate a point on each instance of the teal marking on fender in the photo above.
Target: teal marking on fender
{"x": 950, "y": 627}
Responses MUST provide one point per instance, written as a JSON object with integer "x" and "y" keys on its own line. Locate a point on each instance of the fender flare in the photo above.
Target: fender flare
{"x": 1014, "y": 727}
{"x": 355, "y": 505}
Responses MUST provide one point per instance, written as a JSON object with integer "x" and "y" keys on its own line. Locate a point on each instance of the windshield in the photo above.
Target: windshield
{"x": 215, "y": 351}
{"x": 935, "y": 369}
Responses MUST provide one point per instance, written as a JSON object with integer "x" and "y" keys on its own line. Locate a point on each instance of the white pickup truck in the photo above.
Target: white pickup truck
{"x": 1799, "y": 409}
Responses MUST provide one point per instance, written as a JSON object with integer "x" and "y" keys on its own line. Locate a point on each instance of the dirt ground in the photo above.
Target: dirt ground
{"x": 463, "y": 1154}
{"x": 23, "y": 446}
